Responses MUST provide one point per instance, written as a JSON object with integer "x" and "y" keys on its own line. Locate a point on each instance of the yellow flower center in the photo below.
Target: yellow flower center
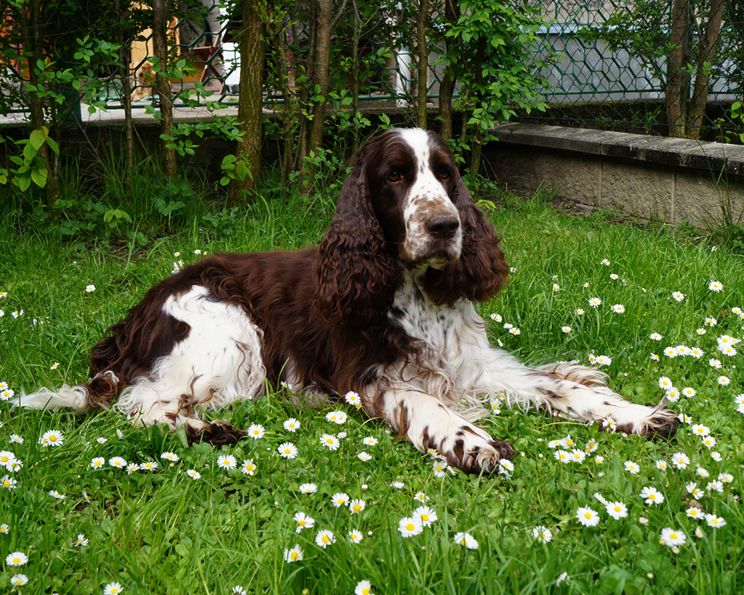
{"x": 410, "y": 527}
{"x": 357, "y": 508}
{"x": 673, "y": 535}
{"x": 587, "y": 515}
{"x": 325, "y": 539}
{"x": 294, "y": 555}
{"x": 365, "y": 591}
{"x": 424, "y": 517}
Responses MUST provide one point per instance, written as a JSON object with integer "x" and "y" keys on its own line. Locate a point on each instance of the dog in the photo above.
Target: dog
{"x": 381, "y": 313}
{"x": 144, "y": 79}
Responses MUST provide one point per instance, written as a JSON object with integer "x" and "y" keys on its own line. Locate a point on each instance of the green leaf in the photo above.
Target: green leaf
{"x": 39, "y": 177}
{"x": 37, "y": 138}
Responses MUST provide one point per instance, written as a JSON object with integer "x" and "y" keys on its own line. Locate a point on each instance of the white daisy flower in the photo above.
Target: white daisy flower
{"x": 291, "y": 425}
{"x": 256, "y": 431}
{"x": 226, "y": 462}
{"x": 325, "y": 538}
{"x": 617, "y": 510}
{"x": 293, "y": 555}
{"x": 671, "y": 537}
{"x": 542, "y": 534}
{"x": 330, "y": 441}
{"x": 467, "y": 540}
{"x": 287, "y": 450}
{"x": 587, "y": 517}
{"x": 652, "y": 496}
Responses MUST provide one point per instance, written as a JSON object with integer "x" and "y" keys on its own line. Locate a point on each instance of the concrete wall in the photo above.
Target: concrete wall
{"x": 665, "y": 179}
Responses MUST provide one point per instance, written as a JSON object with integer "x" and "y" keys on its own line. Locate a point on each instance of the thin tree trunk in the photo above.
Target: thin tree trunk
{"x": 160, "y": 12}
{"x": 355, "y": 73}
{"x": 706, "y": 54}
{"x": 423, "y": 62}
{"x": 475, "y": 154}
{"x": 320, "y": 78}
{"x": 126, "y": 99}
{"x": 673, "y": 92}
{"x": 302, "y": 145}
{"x": 250, "y": 101}
{"x": 287, "y": 114}
{"x": 449, "y": 79}
{"x": 33, "y": 38}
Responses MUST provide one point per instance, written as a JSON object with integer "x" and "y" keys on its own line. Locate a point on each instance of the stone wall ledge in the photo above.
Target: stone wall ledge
{"x": 675, "y": 152}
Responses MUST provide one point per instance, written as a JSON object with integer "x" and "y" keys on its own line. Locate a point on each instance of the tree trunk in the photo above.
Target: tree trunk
{"x": 320, "y": 78}
{"x": 126, "y": 98}
{"x": 423, "y": 62}
{"x": 706, "y": 54}
{"x": 449, "y": 79}
{"x": 355, "y": 73}
{"x": 302, "y": 145}
{"x": 250, "y": 114}
{"x": 287, "y": 113}
{"x": 28, "y": 18}
{"x": 475, "y": 153}
{"x": 160, "y": 12}
{"x": 673, "y": 92}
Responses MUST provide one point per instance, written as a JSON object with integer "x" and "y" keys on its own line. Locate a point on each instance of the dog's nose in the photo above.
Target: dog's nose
{"x": 443, "y": 226}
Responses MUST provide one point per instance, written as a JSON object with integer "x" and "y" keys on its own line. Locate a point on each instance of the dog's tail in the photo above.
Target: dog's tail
{"x": 99, "y": 390}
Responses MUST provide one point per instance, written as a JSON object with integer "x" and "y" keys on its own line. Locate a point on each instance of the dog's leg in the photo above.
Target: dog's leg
{"x": 428, "y": 423}
{"x": 577, "y": 392}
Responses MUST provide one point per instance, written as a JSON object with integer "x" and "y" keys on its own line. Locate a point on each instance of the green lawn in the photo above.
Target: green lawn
{"x": 161, "y": 531}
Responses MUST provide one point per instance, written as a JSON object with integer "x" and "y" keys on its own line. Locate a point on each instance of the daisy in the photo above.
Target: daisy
{"x": 52, "y": 438}
{"x": 661, "y": 465}
{"x": 410, "y": 526}
{"x": 496, "y": 317}
{"x": 579, "y": 311}
{"x": 7, "y": 393}
{"x": 4, "y": 529}
{"x": 578, "y": 456}
{"x": 54, "y": 366}
{"x": 248, "y": 467}
{"x": 678, "y": 295}
{"x": 293, "y": 555}
{"x": 665, "y": 383}
{"x": 303, "y": 521}
{"x": 325, "y": 538}
{"x": 398, "y": 485}
{"x": 604, "y": 360}
{"x": 355, "y": 536}
{"x": 340, "y": 499}
{"x": 672, "y": 395}
{"x": 714, "y": 521}
{"x": 363, "y": 588}
{"x": 699, "y": 533}
{"x": 505, "y": 467}
{"x": 605, "y": 262}
{"x": 291, "y": 425}
{"x": 566, "y": 329}
{"x": 55, "y": 494}
{"x": 90, "y": 288}
{"x": 369, "y": 441}
{"x": 542, "y": 534}
{"x": 287, "y": 450}
{"x": 709, "y": 441}
{"x": 587, "y": 517}
{"x": 132, "y": 468}
{"x": 16, "y": 559}
{"x": 330, "y": 441}
{"x": 118, "y": 462}
{"x": 169, "y": 456}
{"x": 600, "y": 498}
{"x": 682, "y": 350}
{"x": 680, "y": 460}
{"x": 617, "y": 510}
{"x": 81, "y": 541}
{"x": 337, "y": 417}
{"x": 595, "y": 302}
{"x": 421, "y": 497}
{"x": 618, "y": 309}
{"x": 356, "y": 506}
{"x": 656, "y": 337}
{"x": 632, "y": 467}
{"x": 591, "y": 446}
{"x": 308, "y": 488}
{"x": 467, "y": 540}
{"x": 193, "y": 474}
{"x": 714, "y": 363}
{"x": 724, "y": 380}
{"x": 670, "y": 352}
{"x": 725, "y": 477}
{"x": 701, "y": 331}
{"x": 238, "y": 590}
{"x": 197, "y": 251}
{"x": 710, "y": 321}
{"x": 671, "y": 537}
{"x": 715, "y": 486}
{"x": 652, "y": 496}
{"x": 716, "y": 456}
{"x": 654, "y": 357}
{"x": 18, "y": 580}
{"x": 727, "y": 350}
{"x": 694, "y": 513}
{"x": 15, "y": 439}
{"x": 562, "y": 577}
{"x": 149, "y": 466}
{"x": 256, "y": 431}
{"x": 715, "y": 286}
{"x": 556, "y": 287}
{"x": 425, "y": 515}
{"x": 515, "y": 331}
{"x": 694, "y": 490}
{"x": 6, "y": 457}
{"x": 101, "y": 440}
{"x": 700, "y": 430}
{"x": 614, "y": 277}
{"x": 689, "y": 392}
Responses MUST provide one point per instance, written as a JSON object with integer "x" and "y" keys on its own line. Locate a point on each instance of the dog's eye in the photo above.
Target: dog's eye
{"x": 444, "y": 174}
{"x": 393, "y": 176}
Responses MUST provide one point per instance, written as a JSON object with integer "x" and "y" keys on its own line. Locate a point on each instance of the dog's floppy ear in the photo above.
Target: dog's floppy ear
{"x": 481, "y": 270}
{"x": 356, "y": 276}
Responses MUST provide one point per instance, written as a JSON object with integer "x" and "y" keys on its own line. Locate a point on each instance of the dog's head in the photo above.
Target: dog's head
{"x": 405, "y": 204}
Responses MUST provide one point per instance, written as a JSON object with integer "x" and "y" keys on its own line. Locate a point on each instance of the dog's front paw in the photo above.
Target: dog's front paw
{"x": 473, "y": 453}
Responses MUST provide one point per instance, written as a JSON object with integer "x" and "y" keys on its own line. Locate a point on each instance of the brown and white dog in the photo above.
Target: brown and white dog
{"x": 383, "y": 307}
{"x": 144, "y": 80}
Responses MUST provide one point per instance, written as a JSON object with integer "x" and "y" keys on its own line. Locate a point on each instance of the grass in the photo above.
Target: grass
{"x": 163, "y": 532}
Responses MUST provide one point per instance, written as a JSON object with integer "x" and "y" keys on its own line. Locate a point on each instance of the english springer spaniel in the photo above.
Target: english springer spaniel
{"x": 382, "y": 311}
